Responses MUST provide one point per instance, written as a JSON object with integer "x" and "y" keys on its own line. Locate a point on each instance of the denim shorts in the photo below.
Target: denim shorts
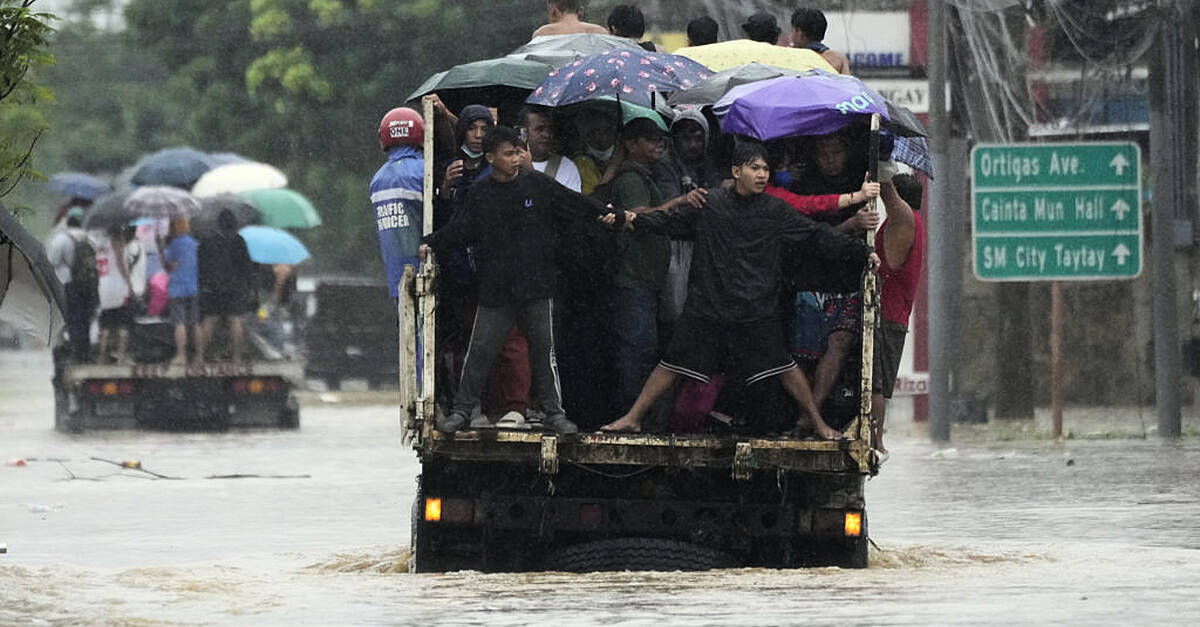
{"x": 184, "y": 310}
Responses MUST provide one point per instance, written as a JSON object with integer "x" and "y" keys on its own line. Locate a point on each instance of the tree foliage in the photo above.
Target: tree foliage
{"x": 23, "y": 41}
{"x": 302, "y": 84}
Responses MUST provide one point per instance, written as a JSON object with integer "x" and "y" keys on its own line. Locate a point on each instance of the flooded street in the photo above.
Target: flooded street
{"x": 1086, "y": 532}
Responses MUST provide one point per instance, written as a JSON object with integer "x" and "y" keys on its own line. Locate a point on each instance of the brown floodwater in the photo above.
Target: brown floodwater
{"x": 1088, "y": 532}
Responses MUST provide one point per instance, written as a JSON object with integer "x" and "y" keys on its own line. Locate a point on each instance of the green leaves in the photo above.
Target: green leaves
{"x": 23, "y": 39}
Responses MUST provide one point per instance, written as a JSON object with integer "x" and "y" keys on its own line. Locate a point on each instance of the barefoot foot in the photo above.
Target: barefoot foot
{"x": 624, "y": 425}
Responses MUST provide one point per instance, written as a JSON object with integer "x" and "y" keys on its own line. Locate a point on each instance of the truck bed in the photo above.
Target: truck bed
{"x": 741, "y": 454}
{"x": 212, "y": 397}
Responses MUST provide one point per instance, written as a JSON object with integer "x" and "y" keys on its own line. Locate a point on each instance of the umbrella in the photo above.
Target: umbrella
{"x": 31, "y": 298}
{"x": 78, "y": 185}
{"x": 608, "y": 105}
{"x": 238, "y": 177}
{"x": 815, "y": 103}
{"x": 158, "y": 202}
{"x": 217, "y": 159}
{"x": 177, "y": 167}
{"x": 562, "y": 49}
{"x": 490, "y": 82}
{"x": 729, "y": 54}
{"x": 629, "y": 75}
{"x": 711, "y": 89}
{"x": 271, "y": 245}
{"x": 205, "y": 220}
{"x": 283, "y": 208}
{"x": 510, "y": 78}
{"x": 108, "y": 210}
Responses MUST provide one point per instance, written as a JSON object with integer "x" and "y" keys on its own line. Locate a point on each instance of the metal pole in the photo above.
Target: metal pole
{"x": 938, "y": 230}
{"x": 1168, "y": 132}
{"x": 870, "y": 304}
{"x": 1056, "y": 356}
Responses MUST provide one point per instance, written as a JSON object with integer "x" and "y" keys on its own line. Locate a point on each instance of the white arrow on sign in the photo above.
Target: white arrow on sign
{"x": 1119, "y": 162}
{"x": 1121, "y": 253}
{"x": 1121, "y": 208}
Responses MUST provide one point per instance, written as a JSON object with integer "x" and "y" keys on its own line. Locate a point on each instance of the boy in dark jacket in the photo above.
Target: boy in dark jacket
{"x": 509, "y": 219}
{"x": 733, "y": 293}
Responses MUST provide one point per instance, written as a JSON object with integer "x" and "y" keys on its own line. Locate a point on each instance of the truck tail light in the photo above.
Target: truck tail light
{"x": 110, "y": 388}
{"x": 449, "y": 510}
{"x": 853, "y": 524}
{"x": 433, "y": 510}
{"x": 256, "y": 386}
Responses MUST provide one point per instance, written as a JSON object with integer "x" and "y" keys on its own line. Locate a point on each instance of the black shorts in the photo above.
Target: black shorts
{"x": 701, "y": 347}
{"x": 116, "y": 318}
{"x": 223, "y": 303}
{"x": 889, "y": 346}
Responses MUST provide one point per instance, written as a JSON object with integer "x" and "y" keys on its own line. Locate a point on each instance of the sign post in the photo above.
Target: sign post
{"x": 1056, "y": 212}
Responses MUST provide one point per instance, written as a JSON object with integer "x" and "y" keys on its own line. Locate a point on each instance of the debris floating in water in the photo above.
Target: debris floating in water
{"x": 16, "y": 462}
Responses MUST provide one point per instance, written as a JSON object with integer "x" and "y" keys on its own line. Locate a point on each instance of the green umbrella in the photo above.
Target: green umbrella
{"x": 509, "y": 79}
{"x": 607, "y": 105}
{"x": 283, "y": 208}
{"x": 488, "y": 81}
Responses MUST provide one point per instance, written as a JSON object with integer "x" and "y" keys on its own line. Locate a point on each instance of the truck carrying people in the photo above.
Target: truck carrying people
{"x": 719, "y": 455}
{"x": 187, "y": 298}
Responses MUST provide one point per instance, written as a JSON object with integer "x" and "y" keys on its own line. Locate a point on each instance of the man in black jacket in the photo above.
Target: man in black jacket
{"x": 733, "y": 292}
{"x": 510, "y": 219}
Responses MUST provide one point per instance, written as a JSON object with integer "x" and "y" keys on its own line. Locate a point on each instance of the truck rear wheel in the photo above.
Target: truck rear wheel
{"x": 637, "y": 554}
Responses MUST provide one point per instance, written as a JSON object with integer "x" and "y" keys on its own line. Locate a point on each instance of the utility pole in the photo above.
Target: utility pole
{"x": 1168, "y": 146}
{"x": 938, "y": 231}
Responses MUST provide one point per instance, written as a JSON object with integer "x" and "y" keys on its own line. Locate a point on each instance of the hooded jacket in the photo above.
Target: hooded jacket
{"x": 673, "y": 175}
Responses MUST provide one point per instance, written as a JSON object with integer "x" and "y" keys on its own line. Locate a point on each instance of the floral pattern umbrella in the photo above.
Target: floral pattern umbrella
{"x": 633, "y": 76}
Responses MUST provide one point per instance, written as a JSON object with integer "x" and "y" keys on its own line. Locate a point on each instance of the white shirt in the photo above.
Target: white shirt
{"x": 567, "y": 175}
{"x": 61, "y": 251}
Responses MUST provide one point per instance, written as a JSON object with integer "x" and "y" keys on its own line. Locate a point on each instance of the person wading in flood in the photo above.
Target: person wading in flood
{"x": 731, "y": 309}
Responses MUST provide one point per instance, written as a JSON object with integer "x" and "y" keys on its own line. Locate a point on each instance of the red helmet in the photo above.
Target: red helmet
{"x": 401, "y": 126}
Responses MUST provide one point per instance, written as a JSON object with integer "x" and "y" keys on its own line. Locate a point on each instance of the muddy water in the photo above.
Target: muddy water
{"x": 1094, "y": 532}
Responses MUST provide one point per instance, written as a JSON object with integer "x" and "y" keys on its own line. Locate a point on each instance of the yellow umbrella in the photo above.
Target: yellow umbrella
{"x": 728, "y": 54}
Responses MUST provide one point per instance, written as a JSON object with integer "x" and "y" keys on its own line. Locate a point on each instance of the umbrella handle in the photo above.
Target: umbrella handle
{"x": 873, "y": 163}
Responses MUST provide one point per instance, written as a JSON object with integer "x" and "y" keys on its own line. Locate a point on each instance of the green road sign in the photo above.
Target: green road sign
{"x": 1051, "y": 212}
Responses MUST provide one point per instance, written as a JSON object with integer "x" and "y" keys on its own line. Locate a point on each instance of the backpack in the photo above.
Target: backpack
{"x": 84, "y": 274}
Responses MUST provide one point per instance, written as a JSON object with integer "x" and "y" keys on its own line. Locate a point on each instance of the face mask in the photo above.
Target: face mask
{"x": 601, "y": 155}
{"x": 473, "y": 155}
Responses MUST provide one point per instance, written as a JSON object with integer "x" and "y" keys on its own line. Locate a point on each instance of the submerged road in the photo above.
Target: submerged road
{"x": 1087, "y": 532}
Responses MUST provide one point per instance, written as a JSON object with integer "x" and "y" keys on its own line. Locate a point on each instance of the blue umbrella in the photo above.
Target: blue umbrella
{"x": 815, "y": 103}
{"x": 628, "y": 75}
{"x": 177, "y": 167}
{"x": 271, "y": 245}
{"x": 78, "y": 185}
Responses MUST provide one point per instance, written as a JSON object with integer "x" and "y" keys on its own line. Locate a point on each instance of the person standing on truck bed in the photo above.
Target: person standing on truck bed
{"x": 539, "y": 129}
{"x": 808, "y": 31}
{"x": 731, "y": 309}
{"x": 74, "y": 261}
{"x": 396, "y": 194}
{"x": 901, "y": 247}
{"x": 510, "y": 220}
{"x": 183, "y": 287}
{"x": 226, "y": 285}
{"x": 508, "y": 385}
{"x": 827, "y": 308}
{"x": 643, "y": 258}
{"x": 566, "y": 17}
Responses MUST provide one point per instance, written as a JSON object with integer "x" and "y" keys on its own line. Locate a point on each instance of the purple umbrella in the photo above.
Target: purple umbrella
{"x": 628, "y": 75}
{"x": 815, "y": 103}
